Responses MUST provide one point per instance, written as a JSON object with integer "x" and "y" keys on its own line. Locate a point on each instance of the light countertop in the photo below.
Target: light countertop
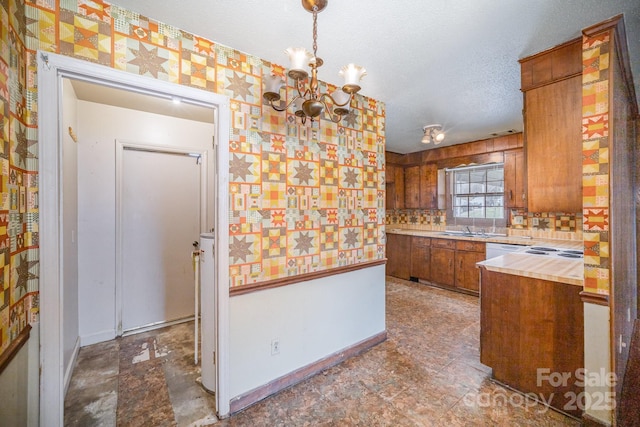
{"x": 554, "y": 269}
{"x": 563, "y": 270}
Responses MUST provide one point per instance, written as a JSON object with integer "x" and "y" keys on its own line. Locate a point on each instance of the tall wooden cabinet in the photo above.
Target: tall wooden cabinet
{"x": 552, "y": 86}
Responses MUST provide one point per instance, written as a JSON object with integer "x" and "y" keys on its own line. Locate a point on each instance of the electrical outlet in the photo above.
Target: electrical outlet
{"x": 275, "y": 346}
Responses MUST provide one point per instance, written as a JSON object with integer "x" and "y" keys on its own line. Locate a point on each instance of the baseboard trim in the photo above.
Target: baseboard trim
{"x": 71, "y": 366}
{"x": 243, "y": 401}
{"x": 97, "y": 337}
{"x": 589, "y": 421}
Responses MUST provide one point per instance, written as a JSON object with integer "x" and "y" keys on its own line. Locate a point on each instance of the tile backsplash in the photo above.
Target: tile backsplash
{"x": 551, "y": 225}
{"x": 417, "y": 219}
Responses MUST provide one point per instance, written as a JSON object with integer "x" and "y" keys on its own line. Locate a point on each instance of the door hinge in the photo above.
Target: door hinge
{"x": 214, "y": 357}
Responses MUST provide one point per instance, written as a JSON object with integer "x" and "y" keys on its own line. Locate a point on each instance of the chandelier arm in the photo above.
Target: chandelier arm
{"x": 285, "y": 107}
{"x": 302, "y": 89}
{"x": 348, "y": 102}
{"x": 335, "y": 118}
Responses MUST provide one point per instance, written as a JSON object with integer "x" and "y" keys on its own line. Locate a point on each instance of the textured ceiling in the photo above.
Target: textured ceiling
{"x": 453, "y": 62}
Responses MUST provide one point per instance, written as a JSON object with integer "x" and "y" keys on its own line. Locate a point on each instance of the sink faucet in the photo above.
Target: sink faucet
{"x": 469, "y": 230}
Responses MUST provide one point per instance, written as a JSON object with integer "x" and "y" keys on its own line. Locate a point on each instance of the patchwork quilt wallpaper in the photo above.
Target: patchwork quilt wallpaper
{"x": 303, "y": 197}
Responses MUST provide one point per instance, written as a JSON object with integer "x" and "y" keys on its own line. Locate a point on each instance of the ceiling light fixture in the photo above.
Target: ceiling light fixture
{"x": 432, "y": 133}
{"x": 308, "y": 101}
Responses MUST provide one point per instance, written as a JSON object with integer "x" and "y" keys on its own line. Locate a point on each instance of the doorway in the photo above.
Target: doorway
{"x": 52, "y": 70}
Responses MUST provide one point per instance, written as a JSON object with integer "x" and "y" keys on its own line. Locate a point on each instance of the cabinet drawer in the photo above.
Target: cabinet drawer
{"x": 466, "y": 245}
{"x": 443, "y": 243}
{"x": 421, "y": 242}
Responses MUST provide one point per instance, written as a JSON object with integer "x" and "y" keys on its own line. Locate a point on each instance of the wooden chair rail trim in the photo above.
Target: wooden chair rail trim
{"x": 292, "y": 280}
{"x": 7, "y": 356}
{"x": 593, "y": 298}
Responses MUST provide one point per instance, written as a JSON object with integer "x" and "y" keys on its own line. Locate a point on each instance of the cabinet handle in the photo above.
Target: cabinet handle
{"x": 510, "y": 194}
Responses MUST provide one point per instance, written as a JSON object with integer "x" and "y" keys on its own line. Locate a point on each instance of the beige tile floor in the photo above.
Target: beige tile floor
{"x": 427, "y": 373}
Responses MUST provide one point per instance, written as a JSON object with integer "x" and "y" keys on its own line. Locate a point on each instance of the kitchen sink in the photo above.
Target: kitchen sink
{"x": 467, "y": 234}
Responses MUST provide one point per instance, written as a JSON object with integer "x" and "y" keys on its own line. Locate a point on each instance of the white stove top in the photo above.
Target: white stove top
{"x": 550, "y": 251}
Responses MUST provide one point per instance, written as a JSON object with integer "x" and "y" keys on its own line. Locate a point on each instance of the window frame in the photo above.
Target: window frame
{"x": 482, "y": 222}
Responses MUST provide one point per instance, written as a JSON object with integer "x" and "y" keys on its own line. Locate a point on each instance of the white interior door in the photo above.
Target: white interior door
{"x": 160, "y": 220}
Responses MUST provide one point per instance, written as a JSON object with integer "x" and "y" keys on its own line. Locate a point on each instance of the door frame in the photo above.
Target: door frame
{"x": 52, "y": 68}
{"x": 120, "y": 147}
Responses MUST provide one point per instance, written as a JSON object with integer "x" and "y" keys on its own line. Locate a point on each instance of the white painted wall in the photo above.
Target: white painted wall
{"x": 597, "y": 320}
{"x": 19, "y": 385}
{"x": 99, "y": 126}
{"x": 71, "y": 331}
{"x": 311, "y": 320}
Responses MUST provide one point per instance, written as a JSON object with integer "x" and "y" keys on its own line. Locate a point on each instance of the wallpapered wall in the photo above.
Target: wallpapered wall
{"x": 595, "y": 164}
{"x": 303, "y": 198}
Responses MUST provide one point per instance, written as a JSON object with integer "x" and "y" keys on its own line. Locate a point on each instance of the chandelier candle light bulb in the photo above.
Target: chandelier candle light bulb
{"x": 308, "y": 101}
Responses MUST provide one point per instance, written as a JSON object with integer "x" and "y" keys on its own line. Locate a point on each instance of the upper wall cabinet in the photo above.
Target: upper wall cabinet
{"x": 394, "y": 186}
{"x": 552, "y": 86}
{"x": 514, "y": 174}
{"x": 421, "y": 186}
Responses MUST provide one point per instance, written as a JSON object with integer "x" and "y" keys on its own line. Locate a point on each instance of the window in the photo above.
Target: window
{"x": 478, "y": 192}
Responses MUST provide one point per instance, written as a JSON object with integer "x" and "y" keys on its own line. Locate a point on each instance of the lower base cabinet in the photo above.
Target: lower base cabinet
{"x": 532, "y": 334}
{"x": 397, "y": 250}
{"x": 448, "y": 263}
{"x": 442, "y": 262}
{"x": 421, "y": 258}
{"x": 468, "y": 253}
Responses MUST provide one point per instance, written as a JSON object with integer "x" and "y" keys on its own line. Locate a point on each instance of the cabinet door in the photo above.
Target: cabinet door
{"x": 390, "y": 195}
{"x": 514, "y": 176}
{"x": 429, "y": 186}
{"x": 412, "y": 187}
{"x": 421, "y": 258}
{"x": 390, "y": 173}
{"x": 398, "y": 261}
{"x": 467, "y": 274}
{"x": 442, "y": 269}
{"x": 552, "y": 129}
{"x": 399, "y": 187}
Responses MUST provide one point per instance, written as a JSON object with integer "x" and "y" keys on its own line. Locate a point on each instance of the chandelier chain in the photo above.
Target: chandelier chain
{"x": 315, "y": 31}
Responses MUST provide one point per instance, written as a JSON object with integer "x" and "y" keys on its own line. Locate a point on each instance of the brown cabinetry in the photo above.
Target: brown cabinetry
{"x": 394, "y": 186}
{"x": 412, "y": 187}
{"x": 527, "y": 324}
{"x": 398, "y": 249}
{"x": 514, "y": 176}
{"x": 421, "y": 258}
{"x": 552, "y": 85}
{"x": 448, "y": 263}
{"x": 442, "y": 262}
{"x": 429, "y": 186}
{"x": 421, "y": 186}
{"x": 467, "y": 255}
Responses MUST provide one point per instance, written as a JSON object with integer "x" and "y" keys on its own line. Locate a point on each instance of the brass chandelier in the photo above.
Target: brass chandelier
{"x": 308, "y": 101}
